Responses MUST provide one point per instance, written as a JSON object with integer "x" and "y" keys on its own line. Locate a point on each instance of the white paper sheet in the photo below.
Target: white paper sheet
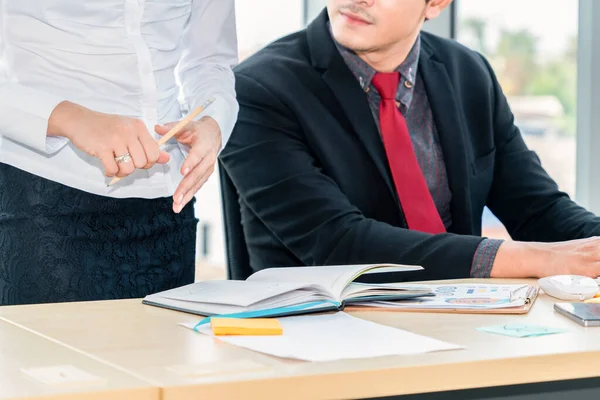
{"x": 332, "y": 337}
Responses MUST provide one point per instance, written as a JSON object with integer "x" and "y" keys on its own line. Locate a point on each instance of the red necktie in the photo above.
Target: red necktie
{"x": 418, "y": 206}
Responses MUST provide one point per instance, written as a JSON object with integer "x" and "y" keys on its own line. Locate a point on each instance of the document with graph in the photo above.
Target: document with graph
{"x": 482, "y": 297}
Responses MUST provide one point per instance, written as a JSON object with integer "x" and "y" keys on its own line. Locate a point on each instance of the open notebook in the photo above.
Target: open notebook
{"x": 286, "y": 291}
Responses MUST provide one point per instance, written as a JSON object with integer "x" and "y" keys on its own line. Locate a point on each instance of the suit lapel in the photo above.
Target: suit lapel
{"x": 348, "y": 95}
{"x": 446, "y": 112}
{"x": 355, "y": 105}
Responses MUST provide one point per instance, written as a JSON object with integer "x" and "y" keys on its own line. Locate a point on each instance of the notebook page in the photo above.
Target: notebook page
{"x": 209, "y": 309}
{"x": 235, "y": 293}
{"x": 357, "y": 290}
{"x": 333, "y": 278}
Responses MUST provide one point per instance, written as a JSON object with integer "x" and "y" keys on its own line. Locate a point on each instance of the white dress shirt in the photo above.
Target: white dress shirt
{"x": 114, "y": 56}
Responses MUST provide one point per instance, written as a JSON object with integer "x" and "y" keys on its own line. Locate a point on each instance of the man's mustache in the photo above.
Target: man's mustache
{"x": 355, "y": 9}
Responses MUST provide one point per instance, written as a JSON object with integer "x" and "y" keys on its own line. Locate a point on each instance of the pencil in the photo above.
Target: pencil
{"x": 175, "y": 130}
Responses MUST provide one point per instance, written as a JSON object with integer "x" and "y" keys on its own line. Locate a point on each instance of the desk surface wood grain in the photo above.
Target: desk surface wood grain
{"x": 148, "y": 341}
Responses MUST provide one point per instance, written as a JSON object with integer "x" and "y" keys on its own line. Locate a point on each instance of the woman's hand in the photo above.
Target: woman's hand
{"x": 204, "y": 140}
{"x": 121, "y": 143}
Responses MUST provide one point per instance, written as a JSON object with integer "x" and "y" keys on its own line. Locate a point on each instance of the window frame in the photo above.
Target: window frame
{"x": 587, "y": 190}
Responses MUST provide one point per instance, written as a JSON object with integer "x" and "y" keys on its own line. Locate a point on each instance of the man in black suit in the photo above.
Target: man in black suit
{"x": 363, "y": 140}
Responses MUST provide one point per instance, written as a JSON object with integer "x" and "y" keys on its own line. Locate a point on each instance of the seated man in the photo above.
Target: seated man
{"x": 364, "y": 140}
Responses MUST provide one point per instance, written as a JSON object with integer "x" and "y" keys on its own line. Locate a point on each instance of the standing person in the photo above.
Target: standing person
{"x": 86, "y": 89}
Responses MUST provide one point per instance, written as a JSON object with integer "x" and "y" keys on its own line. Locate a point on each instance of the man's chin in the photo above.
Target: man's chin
{"x": 358, "y": 48}
{"x": 350, "y": 41}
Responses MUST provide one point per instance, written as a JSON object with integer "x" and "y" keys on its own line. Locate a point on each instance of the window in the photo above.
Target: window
{"x": 535, "y": 61}
{"x": 259, "y": 22}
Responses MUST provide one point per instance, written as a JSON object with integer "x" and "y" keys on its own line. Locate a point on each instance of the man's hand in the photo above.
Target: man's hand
{"x": 107, "y": 136}
{"x": 537, "y": 260}
{"x": 204, "y": 139}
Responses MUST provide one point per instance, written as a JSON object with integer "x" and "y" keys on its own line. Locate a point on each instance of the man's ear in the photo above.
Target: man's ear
{"x": 435, "y": 7}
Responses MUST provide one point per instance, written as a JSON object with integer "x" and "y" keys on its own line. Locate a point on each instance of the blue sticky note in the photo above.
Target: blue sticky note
{"x": 521, "y": 331}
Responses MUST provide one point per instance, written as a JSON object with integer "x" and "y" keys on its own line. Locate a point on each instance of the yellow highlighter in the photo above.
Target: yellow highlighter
{"x": 248, "y": 327}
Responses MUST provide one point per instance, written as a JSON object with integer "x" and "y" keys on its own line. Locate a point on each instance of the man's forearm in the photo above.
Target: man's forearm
{"x": 521, "y": 260}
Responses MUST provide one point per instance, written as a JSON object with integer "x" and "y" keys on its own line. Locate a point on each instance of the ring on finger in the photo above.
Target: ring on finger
{"x": 123, "y": 159}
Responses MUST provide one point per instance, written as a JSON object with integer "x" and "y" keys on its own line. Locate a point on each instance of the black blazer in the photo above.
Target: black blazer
{"x": 313, "y": 179}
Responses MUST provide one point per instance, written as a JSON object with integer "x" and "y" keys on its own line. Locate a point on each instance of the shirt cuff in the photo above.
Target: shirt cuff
{"x": 25, "y": 118}
{"x": 221, "y": 112}
{"x": 224, "y": 111}
{"x": 55, "y": 143}
{"x": 484, "y": 258}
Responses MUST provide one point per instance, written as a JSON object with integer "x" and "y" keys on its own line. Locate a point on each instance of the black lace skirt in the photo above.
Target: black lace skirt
{"x": 60, "y": 244}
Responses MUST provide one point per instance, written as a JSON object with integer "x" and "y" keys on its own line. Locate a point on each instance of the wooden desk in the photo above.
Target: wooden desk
{"x": 21, "y": 350}
{"x": 148, "y": 341}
